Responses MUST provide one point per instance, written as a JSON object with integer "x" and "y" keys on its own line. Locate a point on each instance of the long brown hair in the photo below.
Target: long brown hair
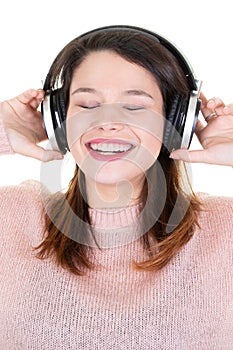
{"x": 174, "y": 225}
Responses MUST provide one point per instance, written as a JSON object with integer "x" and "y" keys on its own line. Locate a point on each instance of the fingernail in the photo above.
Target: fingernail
{"x": 174, "y": 156}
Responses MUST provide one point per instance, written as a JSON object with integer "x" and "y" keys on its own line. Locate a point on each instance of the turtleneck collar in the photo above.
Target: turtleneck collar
{"x": 114, "y": 227}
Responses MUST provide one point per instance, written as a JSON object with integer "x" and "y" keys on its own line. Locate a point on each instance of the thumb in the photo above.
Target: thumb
{"x": 199, "y": 156}
{"x": 49, "y": 155}
{"x": 42, "y": 154}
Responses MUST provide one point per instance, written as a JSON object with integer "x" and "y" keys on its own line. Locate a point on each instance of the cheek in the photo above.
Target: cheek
{"x": 151, "y": 143}
{"x": 153, "y": 146}
{"x": 151, "y": 132}
{"x": 148, "y": 151}
{"x": 78, "y": 152}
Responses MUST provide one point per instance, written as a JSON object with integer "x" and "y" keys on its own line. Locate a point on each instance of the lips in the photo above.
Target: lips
{"x": 108, "y": 149}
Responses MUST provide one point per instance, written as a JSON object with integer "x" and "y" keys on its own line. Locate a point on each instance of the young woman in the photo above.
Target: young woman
{"x": 128, "y": 257}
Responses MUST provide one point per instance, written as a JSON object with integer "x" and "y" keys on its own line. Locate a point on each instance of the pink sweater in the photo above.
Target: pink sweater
{"x": 188, "y": 305}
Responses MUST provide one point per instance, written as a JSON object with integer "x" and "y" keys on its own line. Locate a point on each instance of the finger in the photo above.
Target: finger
{"x": 203, "y": 99}
{"x": 204, "y": 108}
{"x": 35, "y": 102}
{"x": 32, "y": 97}
{"x": 215, "y": 102}
{"x": 199, "y": 156}
{"x": 40, "y": 96}
{"x": 211, "y": 103}
{"x": 199, "y": 126}
{"x": 211, "y": 108}
{"x": 202, "y": 156}
{"x": 41, "y": 154}
{"x": 51, "y": 155}
{"x": 216, "y": 105}
{"x": 27, "y": 95}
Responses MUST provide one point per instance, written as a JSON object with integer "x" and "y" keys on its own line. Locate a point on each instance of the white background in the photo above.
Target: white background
{"x": 33, "y": 32}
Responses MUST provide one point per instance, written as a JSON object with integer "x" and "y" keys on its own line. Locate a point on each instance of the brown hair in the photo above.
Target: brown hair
{"x": 174, "y": 225}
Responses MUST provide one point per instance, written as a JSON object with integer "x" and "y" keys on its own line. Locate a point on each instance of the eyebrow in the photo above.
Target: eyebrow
{"x": 137, "y": 92}
{"x": 132, "y": 92}
{"x": 84, "y": 89}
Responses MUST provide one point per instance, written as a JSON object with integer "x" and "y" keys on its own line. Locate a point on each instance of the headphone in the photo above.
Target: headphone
{"x": 180, "y": 123}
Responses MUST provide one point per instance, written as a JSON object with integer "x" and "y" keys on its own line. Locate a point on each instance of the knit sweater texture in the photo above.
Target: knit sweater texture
{"x": 188, "y": 305}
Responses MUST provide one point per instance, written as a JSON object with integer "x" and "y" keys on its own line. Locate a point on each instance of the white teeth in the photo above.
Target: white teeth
{"x": 110, "y": 147}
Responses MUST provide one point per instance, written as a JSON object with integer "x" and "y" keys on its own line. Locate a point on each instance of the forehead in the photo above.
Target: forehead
{"x": 107, "y": 69}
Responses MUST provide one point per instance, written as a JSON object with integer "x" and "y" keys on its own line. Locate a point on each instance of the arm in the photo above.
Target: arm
{"x": 23, "y": 126}
{"x": 215, "y": 136}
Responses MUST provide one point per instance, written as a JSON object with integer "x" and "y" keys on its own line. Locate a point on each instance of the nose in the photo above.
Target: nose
{"x": 110, "y": 126}
{"x": 105, "y": 122}
{"x": 108, "y": 118}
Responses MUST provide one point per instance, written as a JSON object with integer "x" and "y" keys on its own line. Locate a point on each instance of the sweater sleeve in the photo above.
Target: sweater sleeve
{"x": 5, "y": 147}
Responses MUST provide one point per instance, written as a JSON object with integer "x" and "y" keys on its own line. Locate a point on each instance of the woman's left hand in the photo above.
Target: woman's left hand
{"x": 216, "y": 136}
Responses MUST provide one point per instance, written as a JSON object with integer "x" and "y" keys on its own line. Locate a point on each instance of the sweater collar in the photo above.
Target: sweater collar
{"x": 114, "y": 217}
{"x": 115, "y": 227}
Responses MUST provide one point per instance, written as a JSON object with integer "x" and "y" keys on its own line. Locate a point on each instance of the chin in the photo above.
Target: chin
{"x": 114, "y": 176}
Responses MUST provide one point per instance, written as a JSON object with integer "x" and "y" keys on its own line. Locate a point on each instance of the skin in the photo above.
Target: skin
{"x": 96, "y": 83}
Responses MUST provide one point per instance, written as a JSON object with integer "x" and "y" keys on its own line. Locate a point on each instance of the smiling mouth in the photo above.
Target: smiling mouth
{"x": 109, "y": 150}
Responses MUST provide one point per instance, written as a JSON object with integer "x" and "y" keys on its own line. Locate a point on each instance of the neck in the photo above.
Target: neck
{"x": 120, "y": 195}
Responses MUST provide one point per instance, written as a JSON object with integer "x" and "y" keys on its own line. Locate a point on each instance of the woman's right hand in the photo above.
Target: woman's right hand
{"x": 24, "y": 125}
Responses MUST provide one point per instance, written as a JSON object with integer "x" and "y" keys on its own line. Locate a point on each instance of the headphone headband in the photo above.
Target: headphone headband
{"x": 183, "y": 62}
{"x": 181, "y": 120}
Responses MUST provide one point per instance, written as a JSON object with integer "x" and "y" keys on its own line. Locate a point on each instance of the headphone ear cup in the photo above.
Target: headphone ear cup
{"x": 60, "y": 120}
{"x": 190, "y": 120}
{"x": 60, "y": 104}
{"x": 174, "y": 125}
{"x": 54, "y": 115}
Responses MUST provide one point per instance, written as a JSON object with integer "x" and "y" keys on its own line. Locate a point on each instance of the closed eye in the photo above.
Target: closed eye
{"x": 133, "y": 107}
{"x": 89, "y": 106}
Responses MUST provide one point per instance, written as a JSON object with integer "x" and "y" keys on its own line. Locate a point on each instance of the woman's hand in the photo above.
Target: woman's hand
{"x": 24, "y": 126}
{"x": 216, "y": 136}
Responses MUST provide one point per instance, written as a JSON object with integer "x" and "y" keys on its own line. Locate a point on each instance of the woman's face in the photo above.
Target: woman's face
{"x": 114, "y": 119}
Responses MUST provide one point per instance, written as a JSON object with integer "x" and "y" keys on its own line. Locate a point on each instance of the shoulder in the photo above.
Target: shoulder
{"x": 26, "y": 194}
{"x": 213, "y": 239}
{"x": 22, "y": 208}
{"x": 217, "y": 211}
{"x": 215, "y": 202}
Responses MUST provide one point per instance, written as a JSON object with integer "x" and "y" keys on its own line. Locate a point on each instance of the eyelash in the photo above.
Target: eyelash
{"x": 133, "y": 107}
{"x": 89, "y": 107}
